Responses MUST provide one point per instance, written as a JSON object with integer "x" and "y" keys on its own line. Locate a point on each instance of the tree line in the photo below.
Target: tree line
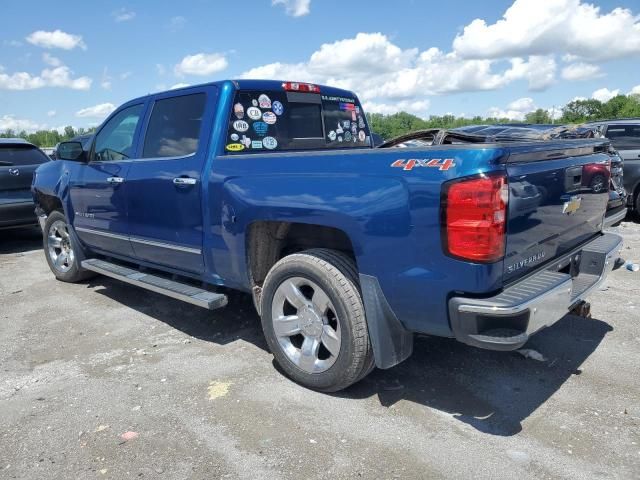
{"x": 574, "y": 112}
{"x": 47, "y": 138}
{"x": 389, "y": 126}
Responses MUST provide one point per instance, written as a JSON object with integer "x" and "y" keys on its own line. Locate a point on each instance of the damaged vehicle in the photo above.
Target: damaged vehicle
{"x": 593, "y": 176}
{"x": 275, "y": 189}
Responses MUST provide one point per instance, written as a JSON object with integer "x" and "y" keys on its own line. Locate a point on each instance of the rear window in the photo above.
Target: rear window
{"x": 624, "y": 137}
{"x": 262, "y": 121}
{"x": 21, "y": 155}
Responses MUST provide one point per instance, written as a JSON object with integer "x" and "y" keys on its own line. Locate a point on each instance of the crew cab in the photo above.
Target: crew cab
{"x": 275, "y": 189}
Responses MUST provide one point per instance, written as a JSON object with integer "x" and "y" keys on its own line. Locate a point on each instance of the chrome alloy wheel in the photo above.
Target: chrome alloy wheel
{"x": 59, "y": 246}
{"x": 306, "y": 324}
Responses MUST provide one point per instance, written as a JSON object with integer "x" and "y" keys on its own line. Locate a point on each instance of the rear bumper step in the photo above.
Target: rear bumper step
{"x": 180, "y": 291}
{"x": 507, "y": 320}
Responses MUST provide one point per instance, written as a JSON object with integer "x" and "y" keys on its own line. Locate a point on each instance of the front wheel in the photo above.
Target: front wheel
{"x": 60, "y": 250}
{"x": 313, "y": 320}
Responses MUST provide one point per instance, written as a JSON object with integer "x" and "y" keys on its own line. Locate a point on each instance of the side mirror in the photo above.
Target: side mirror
{"x": 71, "y": 151}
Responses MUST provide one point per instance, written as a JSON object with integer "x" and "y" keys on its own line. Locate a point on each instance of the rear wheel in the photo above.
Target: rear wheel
{"x": 60, "y": 250}
{"x": 313, "y": 320}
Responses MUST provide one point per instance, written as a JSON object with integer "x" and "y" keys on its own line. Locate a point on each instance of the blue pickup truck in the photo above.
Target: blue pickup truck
{"x": 275, "y": 189}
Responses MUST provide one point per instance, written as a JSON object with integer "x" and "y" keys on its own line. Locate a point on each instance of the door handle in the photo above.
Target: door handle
{"x": 184, "y": 181}
{"x": 115, "y": 179}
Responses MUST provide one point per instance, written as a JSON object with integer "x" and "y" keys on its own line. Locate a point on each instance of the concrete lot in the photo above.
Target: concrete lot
{"x": 82, "y": 364}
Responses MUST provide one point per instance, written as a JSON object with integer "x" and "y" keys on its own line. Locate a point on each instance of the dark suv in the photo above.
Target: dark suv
{"x": 18, "y": 161}
{"x": 624, "y": 134}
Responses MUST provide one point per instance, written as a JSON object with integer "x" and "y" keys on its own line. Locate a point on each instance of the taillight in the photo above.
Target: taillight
{"x": 301, "y": 87}
{"x": 474, "y": 217}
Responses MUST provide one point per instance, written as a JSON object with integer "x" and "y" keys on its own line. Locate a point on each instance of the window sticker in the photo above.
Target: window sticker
{"x": 362, "y": 136}
{"x": 269, "y": 143}
{"x": 260, "y": 128}
{"x": 264, "y": 101}
{"x": 347, "y": 136}
{"x": 238, "y": 110}
{"x": 254, "y": 113}
{"x": 240, "y": 126}
{"x": 256, "y": 144}
{"x": 269, "y": 118}
{"x": 235, "y": 147}
{"x": 332, "y": 135}
{"x": 234, "y": 137}
{"x": 278, "y": 108}
{"x": 245, "y": 141}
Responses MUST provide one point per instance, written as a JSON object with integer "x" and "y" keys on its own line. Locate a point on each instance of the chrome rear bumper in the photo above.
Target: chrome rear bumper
{"x": 507, "y": 320}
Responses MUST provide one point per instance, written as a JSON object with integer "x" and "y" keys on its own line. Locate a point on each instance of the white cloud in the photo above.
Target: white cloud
{"x": 418, "y": 107}
{"x": 125, "y": 75}
{"x": 123, "y": 15}
{"x": 525, "y": 104}
{"x": 49, "y": 77}
{"x": 383, "y": 74}
{"x": 56, "y": 39}
{"x": 581, "y": 71}
{"x": 635, "y": 90}
{"x": 295, "y": 8}
{"x": 179, "y": 85}
{"x": 97, "y": 111}
{"x": 51, "y": 60}
{"x": 177, "y": 23}
{"x": 105, "y": 83}
{"x": 604, "y": 94}
{"x": 201, "y": 64}
{"x": 531, "y": 27}
{"x": 10, "y": 122}
{"x": 51, "y": 113}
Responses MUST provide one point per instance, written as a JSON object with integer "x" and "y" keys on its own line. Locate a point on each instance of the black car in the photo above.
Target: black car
{"x": 18, "y": 161}
{"x": 624, "y": 134}
{"x": 518, "y": 132}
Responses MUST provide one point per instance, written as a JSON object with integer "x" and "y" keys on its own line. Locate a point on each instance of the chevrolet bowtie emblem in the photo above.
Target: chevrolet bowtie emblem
{"x": 572, "y": 205}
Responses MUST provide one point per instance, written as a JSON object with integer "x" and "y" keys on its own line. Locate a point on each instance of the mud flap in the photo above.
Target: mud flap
{"x": 391, "y": 342}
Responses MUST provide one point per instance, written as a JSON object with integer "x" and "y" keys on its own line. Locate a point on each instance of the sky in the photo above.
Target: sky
{"x": 75, "y": 64}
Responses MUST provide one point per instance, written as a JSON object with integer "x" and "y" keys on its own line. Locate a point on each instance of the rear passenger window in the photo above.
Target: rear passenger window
{"x": 624, "y": 137}
{"x": 283, "y": 120}
{"x": 174, "y": 127}
{"x": 21, "y": 156}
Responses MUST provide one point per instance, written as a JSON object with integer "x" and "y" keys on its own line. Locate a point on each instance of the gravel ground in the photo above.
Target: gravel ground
{"x": 81, "y": 365}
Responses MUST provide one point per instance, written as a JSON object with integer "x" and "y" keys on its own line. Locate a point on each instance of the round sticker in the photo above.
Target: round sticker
{"x": 235, "y": 147}
{"x": 234, "y": 137}
{"x": 340, "y": 138}
{"x": 269, "y": 118}
{"x": 278, "y": 109}
{"x": 238, "y": 110}
{"x": 240, "y": 126}
{"x": 264, "y": 101}
{"x": 347, "y": 136}
{"x": 269, "y": 143}
{"x": 354, "y": 129}
{"x": 254, "y": 113}
{"x": 260, "y": 128}
{"x": 361, "y": 135}
{"x": 254, "y": 102}
{"x": 332, "y": 135}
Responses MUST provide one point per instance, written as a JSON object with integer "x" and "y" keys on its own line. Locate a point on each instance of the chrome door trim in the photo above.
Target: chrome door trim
{"x": 143, "y": 241}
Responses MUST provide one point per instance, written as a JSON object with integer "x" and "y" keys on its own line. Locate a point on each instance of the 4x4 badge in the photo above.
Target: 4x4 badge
{"x": 412, "y": 163}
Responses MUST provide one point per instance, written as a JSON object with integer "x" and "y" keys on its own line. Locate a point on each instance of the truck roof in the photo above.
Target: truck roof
{"x": 250, "y": 84}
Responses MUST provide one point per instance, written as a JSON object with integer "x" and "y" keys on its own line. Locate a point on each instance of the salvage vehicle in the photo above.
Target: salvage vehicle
{"x": 593, "y": 176}
{"x": 18, "y": 161}
{"x": 624, "y": 134}
{"x": 275, "y": 189}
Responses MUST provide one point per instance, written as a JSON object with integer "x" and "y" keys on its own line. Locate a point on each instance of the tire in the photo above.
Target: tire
{"x": 61, "y": 251}
{"x": 598, "y": 184}
{"x": 313, "y": 320}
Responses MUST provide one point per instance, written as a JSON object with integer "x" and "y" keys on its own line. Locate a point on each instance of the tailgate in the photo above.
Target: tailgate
{"x": 556, "y": 202}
